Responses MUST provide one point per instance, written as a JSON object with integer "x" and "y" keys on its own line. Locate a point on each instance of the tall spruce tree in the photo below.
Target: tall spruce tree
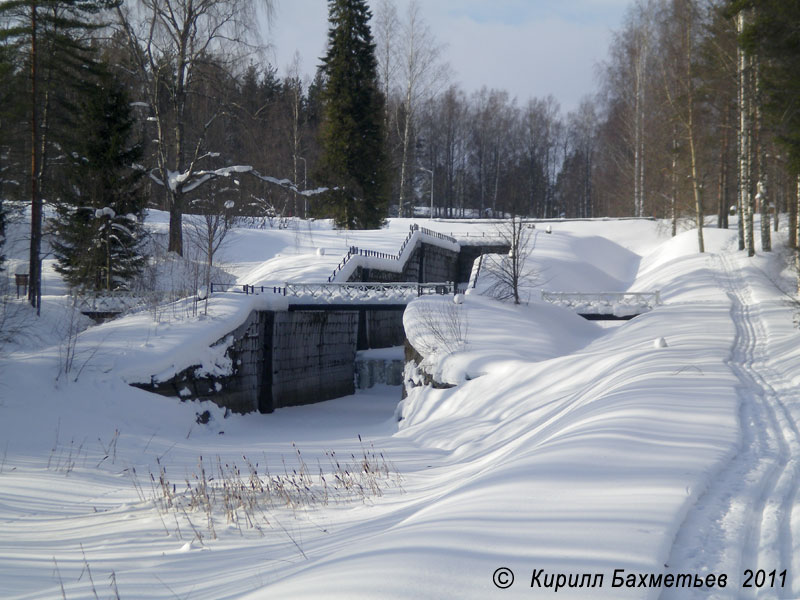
{"x": 10, "y": 107}
{"x": 2, "y": 235}
{"x": 48, "y": 34}
{"x": 773, "y": 32}
{"x": 353, "y": 159}
{"x": 98, "y": 230}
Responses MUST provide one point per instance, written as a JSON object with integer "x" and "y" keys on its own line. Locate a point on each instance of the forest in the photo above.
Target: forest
{"x": 110, "y": 107}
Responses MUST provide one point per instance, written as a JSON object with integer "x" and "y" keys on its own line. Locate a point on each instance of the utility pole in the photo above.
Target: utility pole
{"x": 305, "y": 185}
{"x": 431, "y": 174}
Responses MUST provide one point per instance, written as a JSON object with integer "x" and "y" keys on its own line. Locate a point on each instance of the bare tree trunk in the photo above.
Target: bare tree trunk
{"x": 697, "y": 185}
{"x": 639, "y": 110}
{"x": 109, "y": 280}
{"x": 406, "y": 142}
{"x": 745, "y": 191}
{"x": 35, "y": 261}
{"x": 796, "y": 233}
{"x": 587, "y": 210}
{"x": 641, "y": 118}
{"x": 780, "y": 197}
{"x": 761, "y": 154}
{"x": 386, "y": 25}
{"x": 496, "y": 182}
{"x": 722, "y": 190}
{"x": 674, "y": 182}
{"x": 793, "y": 214}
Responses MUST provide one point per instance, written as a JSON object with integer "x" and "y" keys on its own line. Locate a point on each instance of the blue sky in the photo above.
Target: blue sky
{"x": 531, "y": 48}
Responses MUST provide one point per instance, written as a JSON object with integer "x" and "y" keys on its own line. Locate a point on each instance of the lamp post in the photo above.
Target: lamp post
{"x": 305, "y": 185}
{"x": 431, "y": 173}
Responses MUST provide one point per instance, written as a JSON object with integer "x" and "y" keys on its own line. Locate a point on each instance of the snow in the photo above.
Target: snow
{"x": 665, "y": 444}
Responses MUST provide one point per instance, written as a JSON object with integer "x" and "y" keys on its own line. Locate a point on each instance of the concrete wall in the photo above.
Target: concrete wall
{"x": 313, "y": 356}
{"x": 380, "y": 328}
{"x": 468, "y": 255}
{"x": 246, "y": 389}
{"x": 427, "y": 263}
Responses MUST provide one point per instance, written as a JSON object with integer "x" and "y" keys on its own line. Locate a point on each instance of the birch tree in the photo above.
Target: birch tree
{"x": 746, "y": 199}
{"x": 387, "y": 25}
{"x": 421, "y": 74}
{"x": 680, "y": 86}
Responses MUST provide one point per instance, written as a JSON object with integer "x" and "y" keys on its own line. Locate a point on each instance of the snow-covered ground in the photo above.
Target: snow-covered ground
{"x": 563, "y": 448}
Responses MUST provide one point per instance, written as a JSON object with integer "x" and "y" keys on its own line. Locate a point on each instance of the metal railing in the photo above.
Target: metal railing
{"x": 591, "y": 302}
{"x": 413, "y": 228}
{"x": 108, "y": 302}
{"x": 243, "y": 288}
{"x": 367, "y": 291}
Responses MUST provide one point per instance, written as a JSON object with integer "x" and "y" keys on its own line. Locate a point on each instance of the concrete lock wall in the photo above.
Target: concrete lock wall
{"x": 380, "y": 328}
{"x": 279, "y": 359}
{"x": 427, "y": 263}
{"x": 313, "y": 356}
{"x": 242, "y": 391}
{"x": 469, "y": 254}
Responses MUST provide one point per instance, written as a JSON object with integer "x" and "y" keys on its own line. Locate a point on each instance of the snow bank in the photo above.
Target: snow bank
{"x": 573, "y": 452}
{"x": 563, "y": 447}
{"x": 464, "y": 341}
{"x": 569, "y": 263}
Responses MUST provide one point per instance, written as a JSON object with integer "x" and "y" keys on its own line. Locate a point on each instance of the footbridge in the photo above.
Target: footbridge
{"x": 597, "y": 306}
{"x": 348, "y": 295}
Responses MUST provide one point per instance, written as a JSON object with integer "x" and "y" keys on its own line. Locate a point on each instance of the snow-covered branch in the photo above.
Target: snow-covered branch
{"x": 189, "y": 181}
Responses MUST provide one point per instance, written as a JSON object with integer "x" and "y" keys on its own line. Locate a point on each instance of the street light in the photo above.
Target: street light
{"x": 305, "y": 185}
{"x": 431, "y": 172}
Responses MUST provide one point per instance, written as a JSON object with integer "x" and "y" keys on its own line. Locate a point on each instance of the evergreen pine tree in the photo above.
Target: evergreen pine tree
{"x": 776, "y": 35}
{"x": 8, "y": 134}
{"x": 353, "y": 158}
{"x": 46, "y": 32}
{"x": 98, "y": 226}
{"x": 772, "y": 31}
{"x": 2, "y": 235}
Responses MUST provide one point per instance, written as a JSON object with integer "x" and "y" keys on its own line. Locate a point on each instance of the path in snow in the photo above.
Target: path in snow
{"x": 747, "y": 520}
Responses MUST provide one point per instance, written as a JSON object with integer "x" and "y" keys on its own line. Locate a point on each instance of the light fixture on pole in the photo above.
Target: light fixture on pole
{"x": 305, "y": 186}
{"x": 431, "y": 173}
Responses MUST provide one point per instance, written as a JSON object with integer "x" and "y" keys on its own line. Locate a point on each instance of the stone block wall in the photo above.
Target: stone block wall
{"x": 380, "y": 328}
{"x": 427, "y": 263}
{"x": 313, "y": 356}
{"x": 439, "y": 264}
{"x": 243, "y": 390}
{"x": 468, "y": 255}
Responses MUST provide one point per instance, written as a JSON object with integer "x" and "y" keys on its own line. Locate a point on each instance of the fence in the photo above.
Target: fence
{"x": 355, "y": 251}
{"x": 373, "y": 291}
{"x": 604, "y": 302}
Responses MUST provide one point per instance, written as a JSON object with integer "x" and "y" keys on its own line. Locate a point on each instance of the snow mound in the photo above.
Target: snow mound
{"x": 680, "y": 272}
{"x": 685, "y": 244}
{"x": 567, "y": 262}
{"x": 462, "y": 341}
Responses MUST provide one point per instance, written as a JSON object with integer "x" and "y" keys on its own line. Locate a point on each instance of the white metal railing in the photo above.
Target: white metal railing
{"x": 366, "y": 291}
{"x": 107, "y": 302}
{"x": 618, "y": 303}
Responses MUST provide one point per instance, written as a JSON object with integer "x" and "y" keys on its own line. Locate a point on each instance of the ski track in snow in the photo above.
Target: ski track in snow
{"x": 748, "y": 518}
